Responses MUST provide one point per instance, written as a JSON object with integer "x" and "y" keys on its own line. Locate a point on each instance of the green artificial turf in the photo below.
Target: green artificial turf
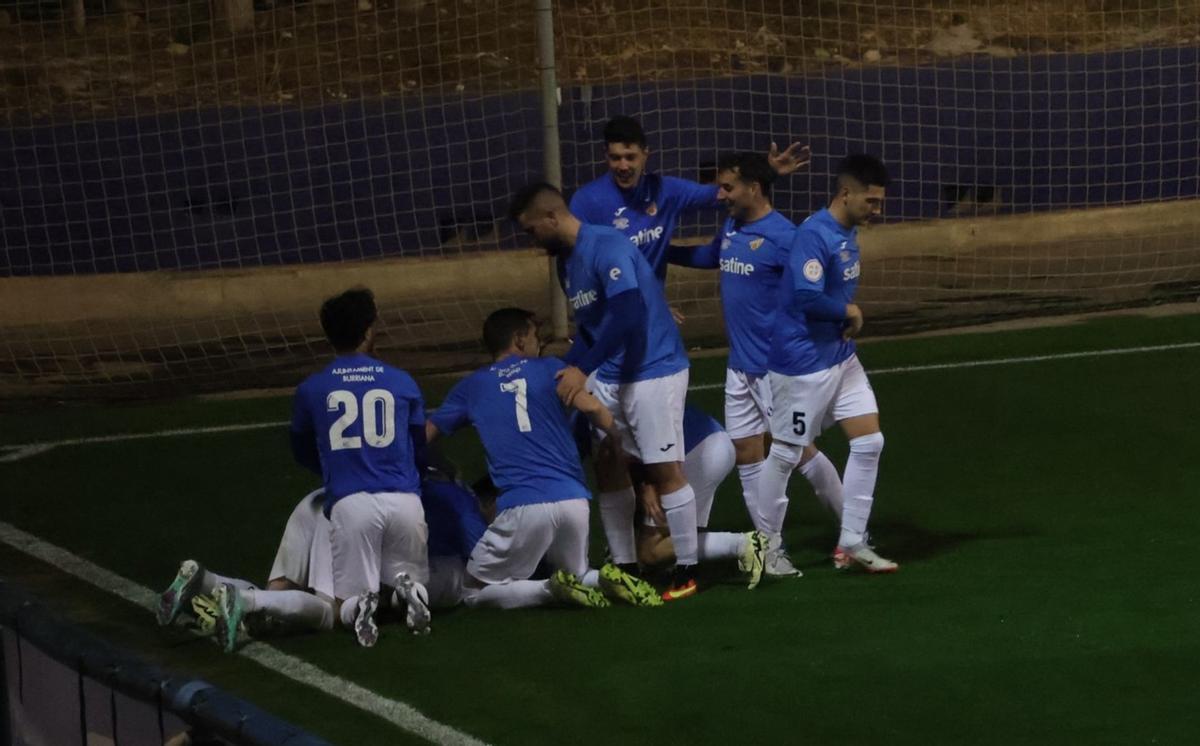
{"x": 1042, "y": 514}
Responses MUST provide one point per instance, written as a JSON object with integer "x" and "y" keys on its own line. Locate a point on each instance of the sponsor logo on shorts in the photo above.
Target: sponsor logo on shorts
{"x": 813, "y": 270}
{"x": 667, "y": 447}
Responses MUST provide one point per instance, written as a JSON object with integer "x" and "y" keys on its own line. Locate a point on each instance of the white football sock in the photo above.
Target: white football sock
{"x": 296, "y": 607}
{"x": 822, "y": 475}
{"x": 517, "y": 594}
{"x": 716, "y": 545}
{"x": 680, "y": 507}
{"x": 616, "y": 515}
{"x": 862, "y": 468}
{"x": 749, "y": 474}
{"x": 210, "y": 581}
{"x": 591, "y": 578}
{"x": 772, "y": 484}
{"x": 348, "y": 611}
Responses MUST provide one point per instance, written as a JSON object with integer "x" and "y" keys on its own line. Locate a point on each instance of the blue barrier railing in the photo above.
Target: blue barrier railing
{"x": 61, "y": 684}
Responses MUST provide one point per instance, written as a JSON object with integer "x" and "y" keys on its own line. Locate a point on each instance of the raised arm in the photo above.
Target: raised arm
{"x": 790, "y": 161}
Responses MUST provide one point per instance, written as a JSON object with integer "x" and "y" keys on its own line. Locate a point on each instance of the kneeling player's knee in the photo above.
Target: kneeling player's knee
{"x": 867, "y": 445}
{"x": 786, "y": 454}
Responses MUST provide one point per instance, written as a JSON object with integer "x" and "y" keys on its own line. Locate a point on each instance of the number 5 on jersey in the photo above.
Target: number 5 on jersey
{"x": 518, "y": 387}
{"x": 378, "y": 416}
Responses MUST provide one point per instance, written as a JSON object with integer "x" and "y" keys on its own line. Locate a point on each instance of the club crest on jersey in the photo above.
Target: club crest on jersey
{"x": 725, "y": 243}
{"x": 652, "y": 209}
{"x": 756, "y": 243}
{"x": 813, "y": 270}
{"x": 621, "y": 223}
{"x": 844, "y": 255}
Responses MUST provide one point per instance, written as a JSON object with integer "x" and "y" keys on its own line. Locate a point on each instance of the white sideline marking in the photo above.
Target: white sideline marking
{"x": 397, "y": 713}
{"x": 25, "y": 450}
{"x": 1003, "y": 361}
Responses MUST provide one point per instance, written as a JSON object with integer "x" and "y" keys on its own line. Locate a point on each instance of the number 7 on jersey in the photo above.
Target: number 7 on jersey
{"x": 518, "y": 387}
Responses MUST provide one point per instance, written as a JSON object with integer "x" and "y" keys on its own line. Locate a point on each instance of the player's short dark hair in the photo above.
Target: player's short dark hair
{"x": 864, "y": 168}
{"x": 524, "y": 197}
{"x": 485, "y": 489}
{"x": 347, "y": 317}
{"x": 752, "y": 168}
{"x": 502, "y": 325}
{"x": 624, "y": 130}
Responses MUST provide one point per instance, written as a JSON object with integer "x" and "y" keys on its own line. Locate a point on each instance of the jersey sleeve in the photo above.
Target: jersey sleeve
{"x": 807, "y": 259}
{"x": 303, "y": 434}
{"x": 692, "y": 195}
{"x": 302, "y": 421}
{"x": 583, "y": 207}
{"x": 707, "y": 256}
{"x": 416, "y": 409}
{"x": 454, "y": 412}
{"x": 614, "y": 264}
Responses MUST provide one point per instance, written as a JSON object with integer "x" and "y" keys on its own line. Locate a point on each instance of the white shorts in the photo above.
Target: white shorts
{"x": 747, "y": 404}
{"x": 515, "y": 543}
{"x": 806, "y": 405}
{"x": 374, "y": 536}
{"x": 649, "y": 415}
{"x": 705, "y": 467}
{"x": 291, "y": 559}
{"x": 320, "y": 559}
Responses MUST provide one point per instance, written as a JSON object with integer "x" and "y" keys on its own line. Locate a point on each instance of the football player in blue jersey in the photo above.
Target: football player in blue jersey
{"x": 628, "y": 353}
{"x": 751, "y": 252}
{"x": 646, "y": 207}
{"x": 360, "y": 424}
{"x": 543, "y": 506}
{"x": 814, "y": 373}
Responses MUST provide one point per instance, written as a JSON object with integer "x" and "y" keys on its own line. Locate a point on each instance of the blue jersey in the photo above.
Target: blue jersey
{"x": 824, "y": 258}
{"x": 525, "y": 432}
{"x": 604, "y": 264}
{"x": 359, "y": 412}
{"x": 697, "y": 426}
{"x": 646, "y": 214}
{"x": 752, "y": 258}
{"x": 454, "y": 519}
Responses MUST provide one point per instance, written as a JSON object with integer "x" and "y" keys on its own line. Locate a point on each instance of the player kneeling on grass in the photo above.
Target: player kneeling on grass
{"x": 543, "y": 503}
{"x": 709, "y": 456}
{"x": 360, "y": 424}
{"x": 299, "y": 594}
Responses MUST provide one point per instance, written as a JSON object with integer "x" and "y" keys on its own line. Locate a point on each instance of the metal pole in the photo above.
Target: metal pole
{"x": 550, "y": 145}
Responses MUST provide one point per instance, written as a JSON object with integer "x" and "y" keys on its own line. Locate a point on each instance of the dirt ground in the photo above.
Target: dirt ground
{"x": 148, "y": 55}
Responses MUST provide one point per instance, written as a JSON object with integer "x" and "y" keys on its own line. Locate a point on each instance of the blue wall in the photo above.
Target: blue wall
{"x": 247, "y": 187}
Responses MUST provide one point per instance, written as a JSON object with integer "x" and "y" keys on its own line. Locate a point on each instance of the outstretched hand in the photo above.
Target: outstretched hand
{"x": 793, "y": 159}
